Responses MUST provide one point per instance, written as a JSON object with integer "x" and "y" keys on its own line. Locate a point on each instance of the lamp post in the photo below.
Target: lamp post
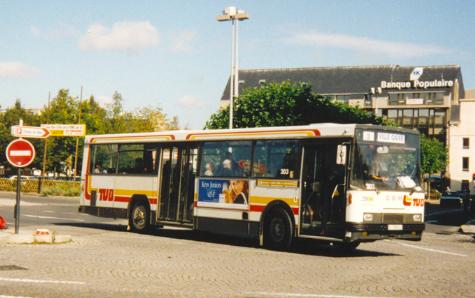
{"x": 234, "y": 15}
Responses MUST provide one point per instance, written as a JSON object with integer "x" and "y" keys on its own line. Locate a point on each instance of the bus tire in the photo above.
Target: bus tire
{"x": 139, "y": 218}
{"x": 278, "y": 230}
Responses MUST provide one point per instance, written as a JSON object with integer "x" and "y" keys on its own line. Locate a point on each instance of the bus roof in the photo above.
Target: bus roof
{"x": 302, "y": 131}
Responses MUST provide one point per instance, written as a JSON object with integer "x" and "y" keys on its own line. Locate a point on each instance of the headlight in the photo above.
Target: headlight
{"x": 368, "y": 217}
{"x": 417, "y": 217}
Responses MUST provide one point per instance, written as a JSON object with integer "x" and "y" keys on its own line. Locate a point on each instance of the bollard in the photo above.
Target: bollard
{"x": 3, "y": 223}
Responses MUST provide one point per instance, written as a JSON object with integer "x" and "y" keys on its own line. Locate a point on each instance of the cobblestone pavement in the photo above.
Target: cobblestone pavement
{"x": 105, "y": 260}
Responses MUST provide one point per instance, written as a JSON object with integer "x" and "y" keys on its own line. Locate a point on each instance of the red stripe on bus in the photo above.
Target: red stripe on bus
{"x": 121, "y": 199}
{"x": 257, "y": 208}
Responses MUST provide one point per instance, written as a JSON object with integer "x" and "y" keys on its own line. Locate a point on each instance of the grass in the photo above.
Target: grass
{"x": 63, "y": 189}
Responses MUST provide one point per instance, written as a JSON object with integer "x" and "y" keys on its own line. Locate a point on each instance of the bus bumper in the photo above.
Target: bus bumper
{"x": 372, "y": 232}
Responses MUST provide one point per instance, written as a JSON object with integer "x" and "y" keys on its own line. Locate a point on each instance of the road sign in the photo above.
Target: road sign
{"x": 20, "y": 153}
{"x": 66, "y": 130}
{"x": 30, "y": 132}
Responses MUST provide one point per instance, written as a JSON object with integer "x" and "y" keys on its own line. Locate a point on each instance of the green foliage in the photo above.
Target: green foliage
{"x": 67, "y": 109}
{"x": 12, "y": 117}
{"x": 284, "y": 104}
{"x": 433, "y": 155}
{"x": 65, "y": 189}
{"x": 63, "y": 109}
{"x": 287, "y": 103}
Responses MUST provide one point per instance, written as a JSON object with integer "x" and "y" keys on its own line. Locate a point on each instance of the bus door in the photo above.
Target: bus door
{"x": 323, "y": 198}
{"x": 179, "y": 166}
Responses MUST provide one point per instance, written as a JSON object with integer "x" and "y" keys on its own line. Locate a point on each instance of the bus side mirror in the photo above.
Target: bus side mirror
{"x": 341, "y": 155}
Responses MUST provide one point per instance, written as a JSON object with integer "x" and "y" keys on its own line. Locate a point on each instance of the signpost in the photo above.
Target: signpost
{"x": 29, "y": 132}
{"x": 20, "y": 153}
{"x": 66, "y": 130}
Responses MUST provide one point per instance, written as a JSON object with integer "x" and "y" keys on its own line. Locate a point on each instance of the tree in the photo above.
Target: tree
{"x": 11, "y": 117}
{"x": 63, "y": 109}
{"x": 116, "y": 115}
{"x": 433, "y": 155}
{"x": 94, "y": 116}
{"x": 149, "y": 119}
{"x": 284, "y": 104}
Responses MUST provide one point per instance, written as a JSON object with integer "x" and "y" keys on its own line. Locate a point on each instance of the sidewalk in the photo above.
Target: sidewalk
{"x": 32, "y": 236}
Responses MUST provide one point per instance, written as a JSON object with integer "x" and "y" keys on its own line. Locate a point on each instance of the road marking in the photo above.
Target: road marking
{"x": 434, "y": 250}
{"x": 51, "y": 217}
{"x": 5, "y": 296}
{"x": 277, "y": 294}
{"x": 11, "y": 203}
{"x": 42, "y": 281}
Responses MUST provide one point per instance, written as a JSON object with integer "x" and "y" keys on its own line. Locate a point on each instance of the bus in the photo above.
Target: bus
{"x": 339, "y": 183}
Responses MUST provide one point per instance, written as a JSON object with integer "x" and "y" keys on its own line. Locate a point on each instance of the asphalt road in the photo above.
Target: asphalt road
{"x": 105, "y": 260}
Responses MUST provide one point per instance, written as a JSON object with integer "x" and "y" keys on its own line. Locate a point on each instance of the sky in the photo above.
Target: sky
{"x": 176, "y": 56}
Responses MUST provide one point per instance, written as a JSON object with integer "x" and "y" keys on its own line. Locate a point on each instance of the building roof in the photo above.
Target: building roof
{"x": 344, "y": 79}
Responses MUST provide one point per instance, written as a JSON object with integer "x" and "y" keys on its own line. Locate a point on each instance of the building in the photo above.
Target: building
{"x": 414, "y": 97}
{"x": 462, "y": 145}
{"x": 422, "y": 97}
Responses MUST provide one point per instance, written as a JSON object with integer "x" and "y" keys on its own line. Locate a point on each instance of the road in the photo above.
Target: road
{"x": 105, "y": 260}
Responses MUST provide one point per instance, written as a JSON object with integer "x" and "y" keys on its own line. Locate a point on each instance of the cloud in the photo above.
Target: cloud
{"x": 364, "y": 44}
{"x": 17, "y": 70}
{"x": 35, "y": 31}
{"x": 182, "y": 41}
{"x": 130, "y": 36}
{"x": 191, "y": 102}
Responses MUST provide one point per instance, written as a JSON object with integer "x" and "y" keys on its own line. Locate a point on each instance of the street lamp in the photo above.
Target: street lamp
{"x": 234, "y": 15}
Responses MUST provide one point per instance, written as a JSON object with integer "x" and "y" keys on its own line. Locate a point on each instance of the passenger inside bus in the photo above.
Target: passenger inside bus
{"x": 209, "y": 169}
{"x": 229, "y": 167}
{"x": 99, "y": 170}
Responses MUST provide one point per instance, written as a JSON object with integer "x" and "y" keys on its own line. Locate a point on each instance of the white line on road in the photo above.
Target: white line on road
{"x": 5, "y": 296}
{"x": 51, "y": 217}
{"x": 42, "y": 281}
{"x": 12, "y": 202}
{"x": 277, "y": 294}
{"x": 433, "y": 250}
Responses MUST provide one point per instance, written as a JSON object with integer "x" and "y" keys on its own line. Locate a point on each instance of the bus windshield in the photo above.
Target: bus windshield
{"x": 386, "y": 161}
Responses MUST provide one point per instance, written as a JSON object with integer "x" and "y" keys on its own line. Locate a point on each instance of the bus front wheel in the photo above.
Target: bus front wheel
{"x": 278, "y": 232}
{"x": 139, "y": 218}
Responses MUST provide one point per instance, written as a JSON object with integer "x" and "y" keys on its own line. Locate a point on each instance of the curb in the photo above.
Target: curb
{"x": 40, "y": 236}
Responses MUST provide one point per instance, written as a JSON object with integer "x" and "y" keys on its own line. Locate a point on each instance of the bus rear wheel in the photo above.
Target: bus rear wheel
{"x": 278, "y": 232}
{"x": 139, "y": 218}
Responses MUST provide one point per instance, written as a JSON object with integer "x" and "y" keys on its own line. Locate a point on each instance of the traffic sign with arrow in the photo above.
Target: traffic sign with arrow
{"x": 30, "y": 132}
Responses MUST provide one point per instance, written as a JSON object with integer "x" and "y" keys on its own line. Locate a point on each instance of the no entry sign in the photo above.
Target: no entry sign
{"x": 20, "y": 153}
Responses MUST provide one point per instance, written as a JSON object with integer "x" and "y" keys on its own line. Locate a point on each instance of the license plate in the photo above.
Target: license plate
{"x": 394, "y": 227}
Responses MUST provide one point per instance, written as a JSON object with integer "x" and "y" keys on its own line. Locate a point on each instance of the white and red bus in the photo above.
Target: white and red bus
{"x": 346, "y": 183}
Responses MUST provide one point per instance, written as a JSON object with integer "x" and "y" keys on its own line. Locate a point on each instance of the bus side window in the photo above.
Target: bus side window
{"x": 150, "y": 157}
{"x": 104, "y": 159}
{"x": 226, "y": 159}
{"x": 276, "y": 159}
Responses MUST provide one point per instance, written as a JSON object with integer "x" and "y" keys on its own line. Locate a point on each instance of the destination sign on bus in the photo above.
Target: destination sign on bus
{"x": 384, "y": 137}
